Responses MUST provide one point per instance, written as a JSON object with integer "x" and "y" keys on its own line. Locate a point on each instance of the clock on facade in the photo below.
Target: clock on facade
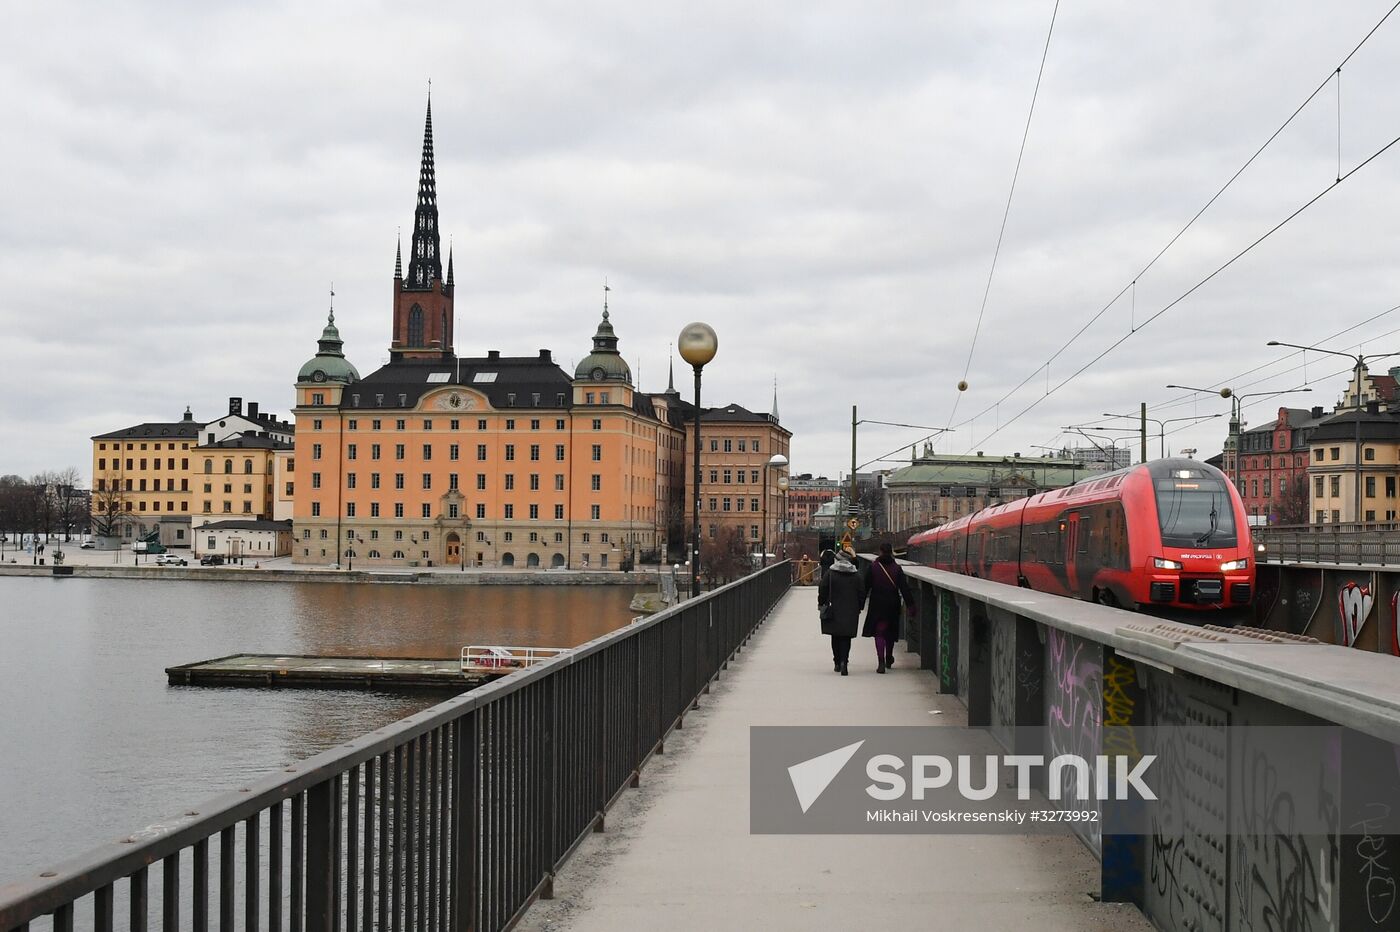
{"x": 318, "y": 376}
{"x": 598, "y": 373}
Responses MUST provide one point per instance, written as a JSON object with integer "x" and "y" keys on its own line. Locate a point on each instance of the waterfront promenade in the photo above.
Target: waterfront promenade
{"x": 677, "y": 851}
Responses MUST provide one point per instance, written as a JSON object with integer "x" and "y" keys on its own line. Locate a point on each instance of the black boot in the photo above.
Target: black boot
{"x": 881, "y": 667}
{"x": 838, "y": 665}
{"x": 889, "y": 662}
{"x": 843, "y": 670}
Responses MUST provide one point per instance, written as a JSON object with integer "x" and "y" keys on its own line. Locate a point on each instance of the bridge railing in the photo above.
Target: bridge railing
{"x": 1358, "y": 544}
{"x": 454, "y": 818}
{"x": 1078, "y": 678}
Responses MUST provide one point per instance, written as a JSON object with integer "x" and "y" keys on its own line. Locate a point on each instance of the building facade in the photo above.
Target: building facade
{"x": 738, "y": 487}
{"x": 1333, "y": 472}
{"x": 1273, "y": 467}
{"x": 938, "y": 488}
{"x": 805, "y": 495}
{"x": 494, "y": 460}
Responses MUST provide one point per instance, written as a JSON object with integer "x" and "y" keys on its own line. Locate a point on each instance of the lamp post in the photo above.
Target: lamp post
{"x": 785, "y": 526}
{"x": 1162, "y": 426}
{"x": 697, "y": 345}
{"x": 777, "y": 461}
{"x": 1360, "y": 359}
{"x": 1235, "y": 408}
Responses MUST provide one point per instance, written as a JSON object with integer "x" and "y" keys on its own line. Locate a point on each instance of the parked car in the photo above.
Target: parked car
{"x": 212, "y": 559}
{"x": 86, "y": 545}
{"x": 169, "y": 559}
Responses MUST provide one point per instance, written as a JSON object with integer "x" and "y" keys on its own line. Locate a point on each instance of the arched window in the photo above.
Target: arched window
{"x": 507, "y": 559}
{"x": 374, "y": 554}
{"x": 228, "y": 467}
{"x": 415, "y": 326}
{"x": 209, "y": 466}
{"x": 247, "y": 467}
{"x": 532, "y": 560}
{"x": 398, "y": 555}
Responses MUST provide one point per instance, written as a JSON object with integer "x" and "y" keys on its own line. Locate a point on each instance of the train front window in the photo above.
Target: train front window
{"x": 1195, "y": 513}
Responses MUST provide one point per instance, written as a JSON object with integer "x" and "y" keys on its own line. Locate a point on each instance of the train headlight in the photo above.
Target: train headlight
{"x": 1162, "y": 563}
{"x": 1233, "y": 565}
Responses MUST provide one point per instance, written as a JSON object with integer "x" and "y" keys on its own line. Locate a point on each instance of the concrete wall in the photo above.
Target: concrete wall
{"x": 1223, "y": 849}
{"x": 1351, "y": 606}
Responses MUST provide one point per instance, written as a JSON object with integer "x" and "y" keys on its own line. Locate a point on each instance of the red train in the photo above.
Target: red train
{"x": 1168, "y": 534}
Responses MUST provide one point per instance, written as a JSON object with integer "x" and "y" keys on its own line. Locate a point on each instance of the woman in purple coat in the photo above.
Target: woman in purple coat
{"x": 886, "y": 587}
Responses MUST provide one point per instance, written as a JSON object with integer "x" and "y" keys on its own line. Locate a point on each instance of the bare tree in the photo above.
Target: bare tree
{"x": 68, "y": 499}
{"x": 1294, "y": 506}
{"x": 108, "y": 506}
{"x": 726, "y": 556}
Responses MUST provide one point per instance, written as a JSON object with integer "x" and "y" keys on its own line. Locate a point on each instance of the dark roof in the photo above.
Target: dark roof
{"x": 733, "y": 414}
{"x": 1386, "y": 386}
{"x": 248, "y": 440}
{"x": 255, "y": 524}
{"x": 154, "y": 430}
{"x": 1343, "y": 427}
{"x": 521, "y": 376}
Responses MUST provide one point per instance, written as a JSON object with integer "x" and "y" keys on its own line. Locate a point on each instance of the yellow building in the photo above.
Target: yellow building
{"x": 1333, "y": 472}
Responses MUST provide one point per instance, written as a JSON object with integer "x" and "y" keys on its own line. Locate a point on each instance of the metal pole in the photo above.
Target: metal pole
{"x": 763, "y": 555}
{"x": 1143, "y": 430}
{"x": 695, "y": 513}
{"x": 1357, "y": 515}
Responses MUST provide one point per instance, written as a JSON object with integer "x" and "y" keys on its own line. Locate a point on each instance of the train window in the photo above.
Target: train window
{"x": 1086, "y": 532}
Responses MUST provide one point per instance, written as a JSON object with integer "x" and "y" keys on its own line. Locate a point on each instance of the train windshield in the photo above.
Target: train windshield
{"x": 1195, "y": 512}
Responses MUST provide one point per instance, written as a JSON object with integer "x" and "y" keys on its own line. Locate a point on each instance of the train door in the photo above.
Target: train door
{"x": 1071, "y": 553}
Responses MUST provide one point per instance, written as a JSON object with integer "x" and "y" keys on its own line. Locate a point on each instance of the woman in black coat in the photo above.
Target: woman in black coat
{"x": 886, "y": 586}
{"x": 840, "y": 596}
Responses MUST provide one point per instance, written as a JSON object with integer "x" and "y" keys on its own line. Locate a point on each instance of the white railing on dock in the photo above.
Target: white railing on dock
{"x": 478, "y": 658}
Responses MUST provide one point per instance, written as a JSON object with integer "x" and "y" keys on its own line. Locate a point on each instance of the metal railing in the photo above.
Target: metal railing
{"x": 477, "y": 658}
{"x": 454, "y": 818}
{"x": 1360, "y": 544}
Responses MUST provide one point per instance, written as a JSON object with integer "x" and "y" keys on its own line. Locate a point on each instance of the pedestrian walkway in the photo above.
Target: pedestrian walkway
{"x": 677, "y": 853}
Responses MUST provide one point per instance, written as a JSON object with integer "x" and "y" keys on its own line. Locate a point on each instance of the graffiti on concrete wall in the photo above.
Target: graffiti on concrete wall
{"x": 947, "y": 663}
{"x": 1300, "y": 599}
{"x": 1355, "y": 600}
{"x": 1073, "y": 699}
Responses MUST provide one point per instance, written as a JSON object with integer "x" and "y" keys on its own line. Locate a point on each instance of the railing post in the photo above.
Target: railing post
{"x": 320, "y": 862}
{"x": 465, "y": 790}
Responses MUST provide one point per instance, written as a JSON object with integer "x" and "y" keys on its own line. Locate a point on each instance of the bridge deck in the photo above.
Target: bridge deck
{"x": 678, "y": 852}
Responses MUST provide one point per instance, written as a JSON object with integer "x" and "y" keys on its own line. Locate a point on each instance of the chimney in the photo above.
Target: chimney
{"x": 1373, "y": 407}
{"x": 493, "y": 354}
{"x": 235, "y": 406}
{"x": 1317, "y": 412}
{"x": 544, "y": 354}
{"x": 253, "y": 410}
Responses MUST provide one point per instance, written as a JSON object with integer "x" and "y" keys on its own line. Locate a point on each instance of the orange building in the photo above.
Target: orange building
{"x": 737, "y": 487}
{"x": 441, "y": 459}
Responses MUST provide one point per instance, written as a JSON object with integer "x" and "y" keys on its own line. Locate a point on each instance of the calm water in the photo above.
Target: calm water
{"x": 94, "y": 744}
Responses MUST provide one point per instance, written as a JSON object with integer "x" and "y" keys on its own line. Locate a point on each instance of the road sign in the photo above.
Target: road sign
{"x": 853, "y": 523}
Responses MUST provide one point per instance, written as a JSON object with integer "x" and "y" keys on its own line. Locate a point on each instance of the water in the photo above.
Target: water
{"x": 94, "y": 744}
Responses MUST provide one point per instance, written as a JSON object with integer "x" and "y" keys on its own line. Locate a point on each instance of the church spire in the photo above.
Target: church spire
{"x": 425, "y": 262}
{"x": 449, "y": 262}
{"x": 774, "y": 411}
{"x": 670, "y": 373}
{"x": 398, "y": 258}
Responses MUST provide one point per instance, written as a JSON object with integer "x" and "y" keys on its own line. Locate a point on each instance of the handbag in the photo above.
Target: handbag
{"x": 824, "y": 614}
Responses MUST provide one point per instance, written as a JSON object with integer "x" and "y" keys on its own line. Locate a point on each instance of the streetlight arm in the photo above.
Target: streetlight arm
{"x": 1355, "y": 357}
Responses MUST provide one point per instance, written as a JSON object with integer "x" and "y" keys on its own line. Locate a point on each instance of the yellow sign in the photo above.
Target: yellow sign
{"x": 853, "y": 523}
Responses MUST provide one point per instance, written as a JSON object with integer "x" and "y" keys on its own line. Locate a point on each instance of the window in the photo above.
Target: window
{"x": 373, "y": 510}
{"x": 726, "y": 502}
{"x": 1389, "y": 486}
{"x": 376, "y": 423}
{"x": 588, "y": 398}
{"x": 597, "y": 423}
{"x": 604, "y": 539}
{"x": 398, "y": 509}
{"x": 534, "y": 451}
{"x": 349, "y": 480}
{"x": 398, "y": 451}
{"x": 714, "y": 504}
{"x": 714, "y": 448}
{"x": 481, "y": 451}
{"x": 315, "y": 482}
{"x": 481, "y": 482}
{"x": 1336, "y": 486}
{"x": 755, "y": 446}
{"x": 559, "y": 452}
{"x": 728, "y": 477}
{"x": 315, "y": 425}
{"x": 400, "y": 424}
{"x": 351, "y": 451}
{"x": 1370, "y": 488}
{"x": 597, "y": 452}
{"x": 427, "y": 510}
{"x": 714, "y": 476}
{"x": 452, "y": 511}
{"x": 559, "y": 424}
{"x": 480, "y": 510}
{"x": 398, "y": 480}
{"x": 753, "y": 476}
{"x": 374, "y": 480}
{"x": 374, "y": 451}
{"x": 534, "y": 482}
{"x": 1267, "y": 493}
{"x": 427, "y": 480}
{"x": 427, "y": 451}
{"x": 535, "y": 422}
{"x": 453, "y": 451}
{"x": 602, "y": 398}
{"x": 534, "y": 512}
{"x": 558, "y": 537}
{"x": 558, "y": 512}
{"x": 510, "y": 481}
{"x": 427, "y": 425}
{"x": 454, "y": 424}
{"x": 1336, "y": 516}
{"x": 353, "y": 424}
{"x": 481, "y": 424}
{"x": 1336, "y": 453}
{"x": 595, "y": 482}
{"x": 510, "y": 423}
{"x": 1369, "y": 453}
{"x": 753, "y": 531}
{"x": 452, "y": 481}
{"x": 739, "y": 503}
{"x": 1317, "y": 487}
{"x": 510, "y": 451}
{"x": 596, "y": 512}
{"x": 315, "y": 509}
{"x": 318, "y": 398}
{"x": 350, "y": 509}
{"x": 315, "y": 455}
{"x": 728, "y": 445}
{"x": 559, "y": 482}
{"x": 509, "y": 512}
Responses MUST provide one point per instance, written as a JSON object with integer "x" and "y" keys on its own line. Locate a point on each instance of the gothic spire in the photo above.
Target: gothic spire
{"x": 670, "y": 373}
{"x": 775, "y": 398}
{"x": 398, "y": 258}
{"x": 449, "y": 262}
{"x": 425, "y": 262}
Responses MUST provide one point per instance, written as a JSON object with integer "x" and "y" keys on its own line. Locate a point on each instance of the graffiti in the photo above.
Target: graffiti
{"x": 1028, "y": 673}
{"x": 1119, "y": 703}
{"x": 1074, "y": 678}
{"x": 1354, "y": 604}
{"x": 1302, "y": 599}
{"x": 946, "y": 661}
{"x": 1283, "y": 877}
{"x": 1375, "y": 868}
{"x": 1003, "y": 672}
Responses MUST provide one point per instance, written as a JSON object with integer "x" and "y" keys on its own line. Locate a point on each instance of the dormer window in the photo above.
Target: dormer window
{"x": 403, "y": 400}
{"x": 510, "y": 399}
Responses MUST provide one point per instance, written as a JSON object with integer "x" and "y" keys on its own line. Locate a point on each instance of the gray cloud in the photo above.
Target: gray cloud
{"x": 823, "y": 184}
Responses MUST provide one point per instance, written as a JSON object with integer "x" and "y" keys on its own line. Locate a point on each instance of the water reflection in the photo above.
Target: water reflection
{"x": 94, "y": 744}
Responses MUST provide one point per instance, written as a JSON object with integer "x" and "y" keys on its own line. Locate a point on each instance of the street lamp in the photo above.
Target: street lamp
{"x": 786, "y": 525}
{"x": 1162, "y": 426}
{"x": 1360, "y": 359}
{"x": 778, "y": 461}
{"x": 697, "y": 345}
{"x": 1235, "y": 408}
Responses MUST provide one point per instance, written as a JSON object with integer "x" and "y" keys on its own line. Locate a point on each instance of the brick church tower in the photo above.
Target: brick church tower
{"x": 423, "y": 300}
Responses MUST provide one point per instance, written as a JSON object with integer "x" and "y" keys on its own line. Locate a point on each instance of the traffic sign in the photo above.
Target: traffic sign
{"x": 853, "y": 523}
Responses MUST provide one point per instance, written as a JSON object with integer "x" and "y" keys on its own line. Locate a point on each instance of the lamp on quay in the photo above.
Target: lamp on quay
{"x": 783, "y": 488}
{"x": 697, "y": 345}
{"x": 778, "y": 461}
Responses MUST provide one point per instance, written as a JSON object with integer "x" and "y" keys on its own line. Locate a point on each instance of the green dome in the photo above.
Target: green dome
{"x": 329, "y": 364}
{"x": 605, "y": 363}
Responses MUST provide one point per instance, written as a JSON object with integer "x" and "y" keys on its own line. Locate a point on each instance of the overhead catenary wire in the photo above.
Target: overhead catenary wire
{"x": 1190, "y": 223}
{"x": 1006, "y": 213}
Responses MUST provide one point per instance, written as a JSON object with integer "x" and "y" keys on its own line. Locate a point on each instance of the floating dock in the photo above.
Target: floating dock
{"x": 309, "y": 672}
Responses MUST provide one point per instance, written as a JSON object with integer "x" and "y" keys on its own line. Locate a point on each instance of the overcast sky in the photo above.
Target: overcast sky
{"x": 822, "y": 183}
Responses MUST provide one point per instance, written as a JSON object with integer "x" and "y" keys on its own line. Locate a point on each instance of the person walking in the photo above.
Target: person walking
{"x": 887, "y": 587}
{"x": 840, "y": 596}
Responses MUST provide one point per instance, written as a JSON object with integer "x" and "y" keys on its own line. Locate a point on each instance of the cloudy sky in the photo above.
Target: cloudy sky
{"x": 823, "y": 183}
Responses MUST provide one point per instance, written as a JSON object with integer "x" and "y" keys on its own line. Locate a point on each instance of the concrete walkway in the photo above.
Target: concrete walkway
{"x": 678, "y": 855}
